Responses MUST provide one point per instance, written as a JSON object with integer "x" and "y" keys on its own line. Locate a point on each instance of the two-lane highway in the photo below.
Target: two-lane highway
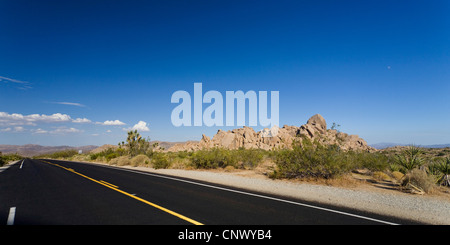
{"x": 62, "y": 192}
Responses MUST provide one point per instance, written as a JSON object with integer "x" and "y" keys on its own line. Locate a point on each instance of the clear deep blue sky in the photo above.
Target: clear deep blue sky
{"x": 380, "y": 69}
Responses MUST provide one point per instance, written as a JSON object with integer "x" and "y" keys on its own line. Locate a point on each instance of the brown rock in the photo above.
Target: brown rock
{"x": 318, "y": 122}
{"x": 268, "y": 139}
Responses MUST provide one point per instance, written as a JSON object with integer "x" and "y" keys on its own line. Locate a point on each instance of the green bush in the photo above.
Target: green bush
{"x": 59, "y": 154}
{"x": 214, "y": 158}
{"x": 250, "y": 158}
{"x": 2, "y": 161}
{"x": 107, "y": 154}
{"x": 160, "y": 160}
{"x": 94, "y": 156}
{"x": 309, "y": 160}
{"x": 314, "y": 160}
{"x": 373, "y": 161}
{"x": 111, "y": 156}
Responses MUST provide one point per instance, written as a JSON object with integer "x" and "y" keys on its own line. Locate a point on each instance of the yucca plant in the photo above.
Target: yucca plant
{"x": 442, "y": 170}
{"x": 410, "y": 158}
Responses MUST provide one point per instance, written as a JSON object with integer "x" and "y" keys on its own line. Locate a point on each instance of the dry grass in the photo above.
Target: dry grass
{"x": 397, "y": 175}
{"x": 120, "y": 161}
{"x": 140, "y": 160}
{"x": 420, "y": 179}
{"x": 381, "y": 176}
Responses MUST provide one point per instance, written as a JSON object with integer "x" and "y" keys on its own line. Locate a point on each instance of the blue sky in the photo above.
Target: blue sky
{"x": 70, "y": 69}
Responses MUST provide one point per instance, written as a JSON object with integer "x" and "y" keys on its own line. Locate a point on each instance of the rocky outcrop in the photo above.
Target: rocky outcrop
{"x": 268, "y": 139}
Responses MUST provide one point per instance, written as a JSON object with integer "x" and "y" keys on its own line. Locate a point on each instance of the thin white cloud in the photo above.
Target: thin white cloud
{"x": 23, "y": 85}
{"x": 6, "y": 79}
{"x": 111, "y": 123}
{"x": 65, "y": 130}
{"x": 140, "y": 126}
{"x": 59, "y": 131}
{"x": 19, "y": 129}
{"x": 16, "y": 129}
{"x": 81, "y": 120}
{"x": 39, "y": 131}
{"x": 70, "y": 103}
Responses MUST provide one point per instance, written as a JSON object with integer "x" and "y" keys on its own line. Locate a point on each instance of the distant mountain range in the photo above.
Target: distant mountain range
{"x": 380, "y": 146}
{"x": 34, "y": 150}
{"x": 30, "y": 150}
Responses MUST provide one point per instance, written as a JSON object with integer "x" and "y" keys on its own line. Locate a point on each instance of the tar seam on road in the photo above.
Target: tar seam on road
{"x": 130, "y": 195}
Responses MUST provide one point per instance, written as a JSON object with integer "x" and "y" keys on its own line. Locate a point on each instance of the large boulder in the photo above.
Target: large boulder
{"x": 318, "y": 123}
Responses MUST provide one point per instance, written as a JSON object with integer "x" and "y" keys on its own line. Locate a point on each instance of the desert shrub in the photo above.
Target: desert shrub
{"x": 214, "y": 158}
{"x": 441, "y": 154}
{"x": 2, "y": 161}
{"x": 228, "y": 168}
{"x": 120, "y": 161}
{"x": 94, "y": 156}
{"x": 111, "y": 156}
{"x": 107, "y": 154}
{"x": 312, "y": 159}
{"x": 59, "y": 154}
{"x": 139, "y": 160}
{"x": 160, "y": 160}
{"x": 379, "y": 175}
{"x": 113, "y": 161}
{"x": 397, "y": 175}
{"x": 183, "y": 154}
{"x": 373, "y": 161}
{"x": 394, "y": 167}
{"x": 80, "y": 157}
{"x": 249, "y": 158}
{"x": 420, "y": 179}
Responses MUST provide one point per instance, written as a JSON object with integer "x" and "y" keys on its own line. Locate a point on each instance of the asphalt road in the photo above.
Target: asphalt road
{"x": 49, "y": 192}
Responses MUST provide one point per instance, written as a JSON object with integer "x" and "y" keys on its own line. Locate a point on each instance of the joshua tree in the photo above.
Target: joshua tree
{"x": 135, "y": 143}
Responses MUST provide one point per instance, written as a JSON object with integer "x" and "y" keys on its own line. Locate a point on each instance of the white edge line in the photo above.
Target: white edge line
{"x": 252, "y": 194}
{"x": 11, "y": 215}
{"x": 6, "y": 166}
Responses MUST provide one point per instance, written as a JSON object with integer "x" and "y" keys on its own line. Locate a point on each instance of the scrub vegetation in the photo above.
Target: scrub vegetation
{"x": 412, "y": 167}
{"x": 4, "y": 159}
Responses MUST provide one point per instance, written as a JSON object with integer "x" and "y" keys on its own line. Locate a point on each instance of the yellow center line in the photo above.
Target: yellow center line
{"x": 113, "y": 187}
